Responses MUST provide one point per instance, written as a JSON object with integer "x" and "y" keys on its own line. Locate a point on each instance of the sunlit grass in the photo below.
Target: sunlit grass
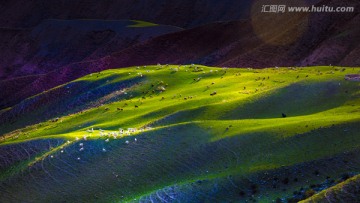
{"x": 191, "y": 106}
{"x": 187, "y": 90}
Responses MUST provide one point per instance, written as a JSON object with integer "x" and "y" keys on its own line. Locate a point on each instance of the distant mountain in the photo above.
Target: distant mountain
{"x": 185, "y": 13}
{"x": 55, "y": 43}
{"x": 56, "y": 51}
{"x": 264, "y": 41}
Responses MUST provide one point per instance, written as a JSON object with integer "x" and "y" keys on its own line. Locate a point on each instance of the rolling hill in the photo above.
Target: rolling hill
{"x": 204, "y": 134}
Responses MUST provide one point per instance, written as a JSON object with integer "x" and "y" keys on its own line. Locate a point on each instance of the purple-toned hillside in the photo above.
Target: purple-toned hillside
{"x": 41, "y": 52}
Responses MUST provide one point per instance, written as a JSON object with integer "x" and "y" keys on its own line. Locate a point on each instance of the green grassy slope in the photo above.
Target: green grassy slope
{"x": 216, "y": 134}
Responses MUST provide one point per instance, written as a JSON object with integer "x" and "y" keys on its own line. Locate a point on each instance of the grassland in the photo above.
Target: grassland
{"x": 216, "y": 134}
